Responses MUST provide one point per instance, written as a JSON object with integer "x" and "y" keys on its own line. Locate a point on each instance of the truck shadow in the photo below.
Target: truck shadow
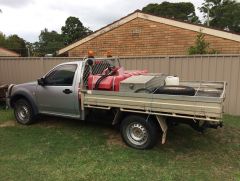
{"x": 181, "y": 138}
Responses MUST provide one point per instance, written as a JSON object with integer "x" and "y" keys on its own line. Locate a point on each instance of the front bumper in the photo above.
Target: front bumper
{"x": 8, "y": 105}
{"x": 8, "y": 96}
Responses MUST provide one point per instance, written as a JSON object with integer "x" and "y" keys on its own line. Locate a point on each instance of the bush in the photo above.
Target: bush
{"x": 201, "y": 46}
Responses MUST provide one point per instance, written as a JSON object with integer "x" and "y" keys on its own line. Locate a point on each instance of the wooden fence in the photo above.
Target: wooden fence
{"x": 207, "y": 67}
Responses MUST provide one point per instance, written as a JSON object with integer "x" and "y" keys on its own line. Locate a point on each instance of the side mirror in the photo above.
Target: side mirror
{"x": 41, "y": 81}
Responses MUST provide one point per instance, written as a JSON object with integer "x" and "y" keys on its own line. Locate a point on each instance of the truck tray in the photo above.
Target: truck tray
{"x": 207, "y": 104}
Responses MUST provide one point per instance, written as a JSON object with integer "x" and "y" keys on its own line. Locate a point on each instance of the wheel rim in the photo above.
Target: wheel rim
{"x": 137, "y": 133}
{"x": 23, "y": 113}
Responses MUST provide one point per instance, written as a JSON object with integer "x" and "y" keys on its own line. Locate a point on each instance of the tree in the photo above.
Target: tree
{"x": 201, "y": 46}
{"x": 74, "y": 30}
{"x": 14, "y": 43}
{"x": 184, "y": 11}
{"x": 49, "y": 42}
{"x": 223, "y": 14}
{"x": 17, "y": 44}
{"x": 2, "y": 40}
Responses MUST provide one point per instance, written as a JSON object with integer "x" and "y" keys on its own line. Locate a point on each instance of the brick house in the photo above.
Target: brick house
{"x": 140, "y": 34}
{"x": 8, "y": 53}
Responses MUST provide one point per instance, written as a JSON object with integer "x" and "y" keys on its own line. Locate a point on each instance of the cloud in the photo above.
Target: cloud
{"x": 29, "y": 17}
{"x": 15, "y": 3}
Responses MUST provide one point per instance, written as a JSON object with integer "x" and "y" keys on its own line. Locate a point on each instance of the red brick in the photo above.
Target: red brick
{"x": 159, "y": 40}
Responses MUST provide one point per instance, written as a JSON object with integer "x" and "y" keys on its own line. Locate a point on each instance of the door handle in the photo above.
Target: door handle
{"x": 67, "y": 91}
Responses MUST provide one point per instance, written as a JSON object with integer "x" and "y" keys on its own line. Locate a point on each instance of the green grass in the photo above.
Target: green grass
{"x": 65, "y": 149}
{"x": 6, "y": 115}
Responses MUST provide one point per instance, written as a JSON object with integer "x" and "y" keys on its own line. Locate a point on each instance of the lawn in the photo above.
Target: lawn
{"x": 65, "y": 149}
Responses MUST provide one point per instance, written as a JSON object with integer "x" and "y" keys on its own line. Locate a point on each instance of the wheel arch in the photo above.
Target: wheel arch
{"x": 22, "y": 95}
{"x": 123, "y": 114}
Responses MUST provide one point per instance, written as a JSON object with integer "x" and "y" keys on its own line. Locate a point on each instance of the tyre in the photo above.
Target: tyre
{"x": 139, "y": 132}
{"x": 23, "y": 112}
{"x": 175, "y": 90}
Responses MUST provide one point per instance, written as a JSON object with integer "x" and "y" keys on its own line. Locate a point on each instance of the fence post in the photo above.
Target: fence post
{"x": 168, "y": 63}
{"x": 43, "y": 65}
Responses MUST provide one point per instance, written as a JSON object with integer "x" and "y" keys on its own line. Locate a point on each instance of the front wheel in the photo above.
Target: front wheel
{"x": 23, "y": 112}
{"x": 139, "y": 132}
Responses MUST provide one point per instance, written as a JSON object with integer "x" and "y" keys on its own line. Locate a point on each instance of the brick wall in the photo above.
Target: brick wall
{"x": 141, "y": 37}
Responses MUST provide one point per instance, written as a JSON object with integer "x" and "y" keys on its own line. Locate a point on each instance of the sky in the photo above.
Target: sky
{"x": 27, "y": 18}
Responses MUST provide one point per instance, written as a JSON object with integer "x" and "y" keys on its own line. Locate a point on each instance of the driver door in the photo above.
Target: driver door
{"x": 57, "y": 96}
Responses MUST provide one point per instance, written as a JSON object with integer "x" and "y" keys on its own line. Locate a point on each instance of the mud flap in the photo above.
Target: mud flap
{"x": 164, "y": 127}
{"x": 117, "y": 117}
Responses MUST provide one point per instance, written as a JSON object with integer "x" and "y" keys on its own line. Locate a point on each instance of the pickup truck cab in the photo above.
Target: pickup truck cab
{"x": 63, "y": 91}
{"x": 55, "y": 94}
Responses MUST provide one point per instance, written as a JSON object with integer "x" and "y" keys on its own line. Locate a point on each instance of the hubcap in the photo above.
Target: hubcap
{"x": 23, "y": 113}
{"x": 137, "y": 133}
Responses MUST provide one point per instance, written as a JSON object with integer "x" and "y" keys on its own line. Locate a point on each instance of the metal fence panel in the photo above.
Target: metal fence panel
{"x": 205, "y": 67}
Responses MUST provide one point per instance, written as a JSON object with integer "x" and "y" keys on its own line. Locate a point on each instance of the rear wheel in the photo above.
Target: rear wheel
{"x": 139, "y": 132}
{"x": 23, "y": 112}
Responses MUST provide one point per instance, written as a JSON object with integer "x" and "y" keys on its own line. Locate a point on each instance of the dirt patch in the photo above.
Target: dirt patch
{"x": 114, "y": 138}
{"x": 49, "y": 124}
{"x": 9, "y": 123}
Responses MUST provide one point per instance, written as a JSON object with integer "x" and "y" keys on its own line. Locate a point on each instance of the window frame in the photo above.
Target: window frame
{"x": 54, "y": 69}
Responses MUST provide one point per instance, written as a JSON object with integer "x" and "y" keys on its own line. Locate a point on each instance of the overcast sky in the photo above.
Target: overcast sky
{"x": 28, "y": 17}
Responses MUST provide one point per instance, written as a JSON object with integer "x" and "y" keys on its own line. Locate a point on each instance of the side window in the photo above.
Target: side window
{"x": 61, "y": 76}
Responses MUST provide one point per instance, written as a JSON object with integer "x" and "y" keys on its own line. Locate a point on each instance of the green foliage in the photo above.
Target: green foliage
{"x": 2, "y": 40}
{"x": 14, "y": 43}
{"x": 49, "y": 42}
{"x": 74, "y": 30}
{"x": 224, "y": 14}
{"x": 184, "y": 11}
{"x": 201, "y": 46}
{"x": 17, "y": 44}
